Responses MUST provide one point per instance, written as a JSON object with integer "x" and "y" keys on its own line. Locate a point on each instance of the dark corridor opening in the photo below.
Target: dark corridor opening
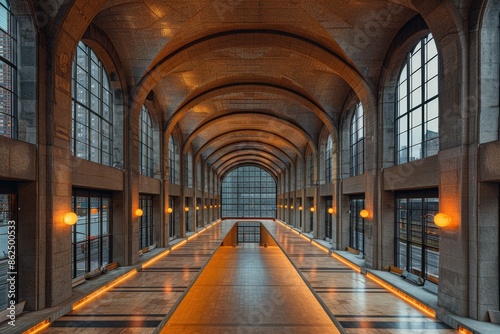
{"x": 248, "y": 232}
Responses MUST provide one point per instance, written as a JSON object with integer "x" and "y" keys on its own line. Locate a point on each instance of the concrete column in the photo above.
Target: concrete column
{"x": 454, "y": 243}
{"x": 484, "y": 253}
{"x": 58, "y": 180}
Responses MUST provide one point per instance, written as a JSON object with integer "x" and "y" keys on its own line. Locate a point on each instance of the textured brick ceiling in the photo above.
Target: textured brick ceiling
{"x": 248, "y": 80}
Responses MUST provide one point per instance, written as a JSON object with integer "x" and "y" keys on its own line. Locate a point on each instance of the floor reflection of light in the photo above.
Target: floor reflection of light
{"x": 347, "y": 263}
{"x": 179, "y": 244}
{"x": 425, "y": 309}
{"x": 154, "y": 259}
{"x": 463, "y": 330}
{"x": 320, "y": 246}
{"x": 102, "y": 290}
{"x": 39, "y": 327}
{"x": 185, "y": 273}
{"x": 306, "y": 238}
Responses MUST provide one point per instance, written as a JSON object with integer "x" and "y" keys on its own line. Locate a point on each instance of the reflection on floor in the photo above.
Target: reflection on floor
{"x": 139, "y": 304}
{"x": 360, "y": 305}
{"x": 247, "y": 290}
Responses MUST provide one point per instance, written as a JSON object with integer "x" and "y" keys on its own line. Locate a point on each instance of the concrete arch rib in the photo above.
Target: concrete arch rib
{"x": 263, "y": 38}
{"x": 270, "y": 120}
{"x": 248, "y": 135}
{"x": 241, "y": 87}
{"x": 231, "y": 148}
{"x": 229, "y": 166}
{"x": 267, "y": 152}
{"x": 259, "y": 155}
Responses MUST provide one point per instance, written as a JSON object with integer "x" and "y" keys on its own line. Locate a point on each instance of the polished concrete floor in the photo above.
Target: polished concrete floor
{"x": 247, "y": 290}
{"x": 250, "y": 289}
{"x": 359, "y": 304}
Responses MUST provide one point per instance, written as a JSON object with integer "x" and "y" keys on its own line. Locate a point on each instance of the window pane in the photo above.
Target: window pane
{"x": 90, "y": 110}
{"x": 423, "y": 109}
{"x": 417, "y": 238}
{"x": 250, "y": 192}
{"x": 91, "y": 240}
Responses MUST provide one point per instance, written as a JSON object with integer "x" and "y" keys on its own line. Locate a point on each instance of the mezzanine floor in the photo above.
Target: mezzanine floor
{"x": 200, "y": 287}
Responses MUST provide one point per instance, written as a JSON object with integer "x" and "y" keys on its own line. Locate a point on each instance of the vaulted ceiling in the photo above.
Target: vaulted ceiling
{"x": 252, "y": 81}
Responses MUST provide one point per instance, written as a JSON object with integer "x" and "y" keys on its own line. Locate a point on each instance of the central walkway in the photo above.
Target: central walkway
{"x": 202, "y": 288}
{"x": 250, "y": 289}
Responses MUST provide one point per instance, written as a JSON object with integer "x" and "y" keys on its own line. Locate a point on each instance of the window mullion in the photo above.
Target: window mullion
{"x": 424, "y": 102}
{"x": 408, "y": 105}
{"x": 408, "y": 234}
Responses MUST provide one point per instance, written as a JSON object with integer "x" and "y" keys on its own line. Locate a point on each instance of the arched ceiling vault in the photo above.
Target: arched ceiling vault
{"x": 249, "y": 160}
{"x": 251, "y": 82}
{"x": 244, "y": 120}
{"x": 257, "y": 136}
{"x": 248, "y": 144}
{"x": 274, "y": 155}
{"x": 246, "y": 154}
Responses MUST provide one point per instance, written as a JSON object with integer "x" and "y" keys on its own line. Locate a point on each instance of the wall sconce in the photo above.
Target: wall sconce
{"x": 197, "y": 208}
{"x": 440, "y": 219}
{"x": 331, "y": 210}
{"x": 204, "y": 207}
{"x": 70, "y": 218}
{"x": 300, "y": 208}
{"x": 169, "y": 210}
{"x": 286, "y": 206}
{"x": 364, "y": 213}
{"x": 139, "y": 212}
{"x": 186, "y": 208}
{"x": 312, "y": 209}
{"x": 291, "y": 207}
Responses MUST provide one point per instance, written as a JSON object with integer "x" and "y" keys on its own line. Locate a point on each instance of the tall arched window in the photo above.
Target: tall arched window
{"x": 310, "y": 169}
{"x": 248, "y": 191}
{"x": 188, "y": 168}
{"x": 145, "y": 143}
{"x": 358, "y": 141}
{"x": 8, "y": 72}
{"x": 300, "y": 174}
{"x": 328, "y": 159}
{"x": 173, "y": 160}
{"x": 92, "y": 132}
{"x": 417, "y": 104}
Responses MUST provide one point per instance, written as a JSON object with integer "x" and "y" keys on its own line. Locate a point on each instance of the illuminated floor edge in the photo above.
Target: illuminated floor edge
{"x": 392, "y": 282}
{"x": 242, "y": 290}
{"x": 98, "y": 297}
{"x": 322, "y": 292}
{"x": 358, "y": 303}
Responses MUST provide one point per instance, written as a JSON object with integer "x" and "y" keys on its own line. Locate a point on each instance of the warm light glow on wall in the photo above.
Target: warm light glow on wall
{"x": 204, "y": 207}
{"x": 300, "y": 208}
{"x": 169, "y": 210}
{"x": 186, "y": 208}
{"x": 70, "y": 218}
{"x": 364, "y": 213}
{"x": 442, "y": 220}
{"x": 139, "y": 212}
{"x": 94, "y": 211}
{"x": 291, "y": 207}
{"x": 312, "y": 209}
{"x": 330, "y": 210}
{"x": 197, "y": 208}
